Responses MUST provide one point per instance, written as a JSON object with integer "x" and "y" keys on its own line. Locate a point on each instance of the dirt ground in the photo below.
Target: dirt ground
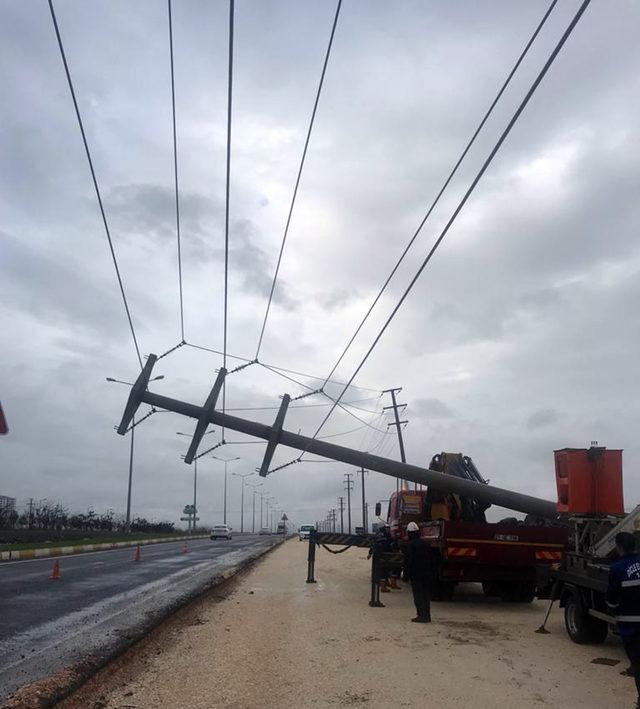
{"x": 276, "y": 641}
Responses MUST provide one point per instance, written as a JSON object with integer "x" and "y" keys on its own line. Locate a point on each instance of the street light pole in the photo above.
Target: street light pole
{"x": 127, "y": 523}
{"x": 225, "y": 493}
{"x": 255, "y": 487}
{"x": 240, "y": 475}
{"x": 195, "y": 487}
{"x": 128, "y": 519}
{"x": 225, "y": 461}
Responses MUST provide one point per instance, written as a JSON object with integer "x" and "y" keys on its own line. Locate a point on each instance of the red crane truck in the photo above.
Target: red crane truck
{"x": 507, "y": 557}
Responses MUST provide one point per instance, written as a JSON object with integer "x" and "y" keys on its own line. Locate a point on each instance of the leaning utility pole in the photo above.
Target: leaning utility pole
{"x": 348, "y": 486}
{"x": 341, "y": 504}
{"x": 277, "y": 435}
{"x": 397, "y": 423}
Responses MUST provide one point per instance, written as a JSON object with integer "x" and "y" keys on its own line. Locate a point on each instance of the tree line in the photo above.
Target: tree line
{"x": 55, "y": 516}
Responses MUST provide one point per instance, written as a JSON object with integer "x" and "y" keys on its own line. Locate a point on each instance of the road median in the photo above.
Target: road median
{"x": 67, "y": 549}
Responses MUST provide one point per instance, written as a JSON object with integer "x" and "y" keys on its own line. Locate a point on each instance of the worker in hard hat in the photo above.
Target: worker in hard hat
{"x": 417, "y": 569}
{"x": 623, "y": 600}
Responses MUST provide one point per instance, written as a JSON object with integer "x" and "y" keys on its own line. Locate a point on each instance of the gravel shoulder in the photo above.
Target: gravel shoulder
{"x": 275, "y": 641}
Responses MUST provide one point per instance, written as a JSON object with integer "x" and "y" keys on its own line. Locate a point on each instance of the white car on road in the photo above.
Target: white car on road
{"x": 221, "y": 531}
{"x": 304, "y": 531}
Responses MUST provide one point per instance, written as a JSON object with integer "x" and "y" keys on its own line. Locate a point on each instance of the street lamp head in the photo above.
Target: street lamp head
{"x": 155, "y": 379}
{"x": 110, "y": 379}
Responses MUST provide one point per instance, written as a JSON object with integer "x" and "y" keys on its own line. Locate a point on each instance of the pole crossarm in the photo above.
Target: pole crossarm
{"x": 137, "y": 390}
{"x": 274, "y": 436}
{"x": 203, "y": 420}
{"x": 405, "y": 471}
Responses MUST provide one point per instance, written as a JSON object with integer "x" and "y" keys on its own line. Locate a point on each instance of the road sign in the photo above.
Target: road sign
{"x": 188, "y": 510}
{"x": 189, "y": 519}
{"x": 4, "y": 428}
{"x": 284, "y": 517}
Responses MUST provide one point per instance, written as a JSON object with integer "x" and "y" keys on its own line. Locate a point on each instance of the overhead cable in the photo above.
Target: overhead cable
{"x": 297, "y": 183}
{"x": 280, "y": 369}
{"x": 443, "y": 188}
{"x": 95, "y": 180}
{"x": 175, "y": 169}
{"x": 226, "y": 208}
{"x": 464, "y": 199}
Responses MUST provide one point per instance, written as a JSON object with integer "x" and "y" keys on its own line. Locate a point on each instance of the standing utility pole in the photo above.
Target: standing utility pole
{"x": 397, "y": 423}
{"x": 348, "y": 486}
{"x": 341, "y": 504}
{"x": 364, "y": 504}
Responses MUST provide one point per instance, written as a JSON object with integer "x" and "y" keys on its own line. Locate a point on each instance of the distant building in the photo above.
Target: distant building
{"x": 7, "y": 504}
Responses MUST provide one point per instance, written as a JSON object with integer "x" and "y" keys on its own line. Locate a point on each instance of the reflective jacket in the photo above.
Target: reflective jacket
{"x": 623, "y": 594}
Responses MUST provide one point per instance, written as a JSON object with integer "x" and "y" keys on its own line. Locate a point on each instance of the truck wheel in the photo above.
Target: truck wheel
{"x": 490, "y": 588}
{"x": 442, "y": 590}
{"x": 527, "y": 592}
{"x": 581, "y": 627}
{"x": 517, "y": 591}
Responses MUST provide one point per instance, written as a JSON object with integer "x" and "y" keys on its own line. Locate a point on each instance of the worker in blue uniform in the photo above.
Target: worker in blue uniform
{"x": 623, "y": 600}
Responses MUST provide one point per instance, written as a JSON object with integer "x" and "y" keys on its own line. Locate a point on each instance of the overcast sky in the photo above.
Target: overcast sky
{"x": 521, "y": 336}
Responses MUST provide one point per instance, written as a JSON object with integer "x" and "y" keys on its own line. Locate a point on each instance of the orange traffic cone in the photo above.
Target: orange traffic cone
{"x": 55, "y": 576}
{"x": 137, "y": 556}
{"x": 185, "y": 548}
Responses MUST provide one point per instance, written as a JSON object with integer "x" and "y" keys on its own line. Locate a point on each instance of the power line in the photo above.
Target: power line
{"x": 297, "y": 184}
{"x": 226, "y": 210}
{"x": 304, "y": 406}
{"x": 464, "y": 199}
{"x": 306, "y": 386}
{"x": 444, "y": 186}
{"x": 175, "y": 169}
{"x": 95, "y": 181}
{"x": 280, "y": 369}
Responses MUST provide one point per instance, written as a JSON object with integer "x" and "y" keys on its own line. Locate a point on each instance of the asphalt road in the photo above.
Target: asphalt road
{"x": 102, "y": 600}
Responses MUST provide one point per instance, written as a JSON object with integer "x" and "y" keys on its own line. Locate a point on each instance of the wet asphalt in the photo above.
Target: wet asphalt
{"x": 101, "y": 600}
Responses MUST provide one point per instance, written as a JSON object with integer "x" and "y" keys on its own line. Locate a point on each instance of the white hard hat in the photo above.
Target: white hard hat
{"x": 412, "y": 527}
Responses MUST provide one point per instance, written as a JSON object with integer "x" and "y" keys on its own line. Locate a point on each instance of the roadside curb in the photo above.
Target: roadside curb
{"x": 45, "y": 552}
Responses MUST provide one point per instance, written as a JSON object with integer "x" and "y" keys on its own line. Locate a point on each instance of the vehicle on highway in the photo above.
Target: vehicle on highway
{"x": 304, "y": 531}
{"x": 265, "y": 530}
{"x": 221, "y": 531}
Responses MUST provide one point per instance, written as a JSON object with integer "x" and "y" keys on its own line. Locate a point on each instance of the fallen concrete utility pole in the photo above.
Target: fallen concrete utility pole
{"x": 276, "y": 435}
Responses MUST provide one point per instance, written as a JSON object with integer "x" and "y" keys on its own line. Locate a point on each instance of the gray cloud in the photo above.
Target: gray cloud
{"x": 431, "y": 409}
{"x": 526, "y": 309}
{"x": 542, "y": 418}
